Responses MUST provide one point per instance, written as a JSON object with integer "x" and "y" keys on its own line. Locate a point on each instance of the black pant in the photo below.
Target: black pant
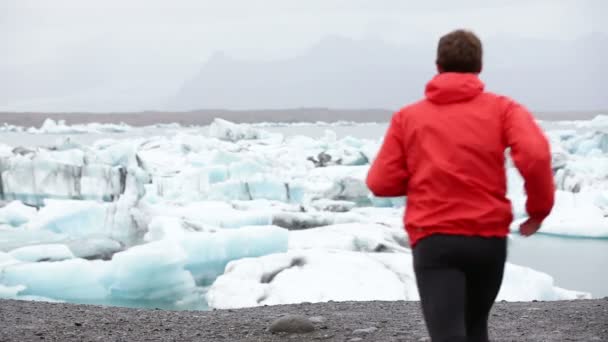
{"x": 458, "y": 279}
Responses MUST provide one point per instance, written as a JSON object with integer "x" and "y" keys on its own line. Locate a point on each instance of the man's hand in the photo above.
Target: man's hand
{"x": 530, "y": 227}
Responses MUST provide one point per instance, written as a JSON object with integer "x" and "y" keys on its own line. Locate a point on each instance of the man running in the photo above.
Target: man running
{"x": 447, "y": 154}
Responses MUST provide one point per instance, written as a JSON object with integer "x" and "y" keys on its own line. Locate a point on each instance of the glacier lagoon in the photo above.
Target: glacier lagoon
{"x": 245, "y": 215}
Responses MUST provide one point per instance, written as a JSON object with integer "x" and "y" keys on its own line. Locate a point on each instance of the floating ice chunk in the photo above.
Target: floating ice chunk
{"x": 340, "y": 183}
{"x": 11, "y": 238}
{"x": 299, "y": 220}
{"x": 576, "y": 215}
{"x": 216, "y": 214}
{"x": 354, "y": 237}
{"x": 311, "y": 276}
{"x": 344, "y": 276}
{"x": 154, "y": 271}
{"x": 67, "y": 157}
{"x": 174, "y": 228}
{"x": 50, "y": 126}
{"x": 118, "y": 153}
{"x": 64, "y": 143}
{"x": 209, "y": 253}
{"x": 333, "y": 206}
{"x": 6, "y": 259}
{"x": 229, "y": 131}
{"x": 257, "y": 189}
{"x": 590, "y": 143}
{"x": 72, "y": 280}
{"x": 73, "y": 218}
{"x": 159, "y": 158}
{"x": 350, "y": 189}
{"x": 33, "y": 180}
{"x": 88, "y": 219}
{"x": 330, "y": 137}
{"x": 600, "y": 119}
{"x": 223, "y": 157}
{"x": 6, "y": 151}
{"x": 35, "y": 253}
{"x": 246, "y": 170}
{"x": 188, "y": 185}
{"x": 525, "y": 284}
{"x": 387, "y": 202}
{"x": 10, "y": 292}
{"x": 266, "y": 206}
{"x": 16, "y": 213}
{"x": 388, "y": 216}
{"x": 217, "y": 174}
{"x": 94, "y": 248}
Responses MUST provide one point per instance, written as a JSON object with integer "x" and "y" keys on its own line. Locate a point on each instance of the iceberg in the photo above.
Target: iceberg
{"x": 86, "y": 219}
{"x": 310, "y": 276}
{"x": 36, "y": 253}
{"x": 150, "y": 272}
{"x": 16, "y": 213}
{"x": 354, "y": 237}
{"x": 321, "y": 275}
{"x": 74, "y": 280}
{"x": 34, "y": 180}
{"x": 254, "y": 216}
{"x": 581, "y": 214}
{"x": 164, "y": 272}
{"x": 229, "y": 131}
{"x": 50, "y": 126}
{"x": 209, "y": 253}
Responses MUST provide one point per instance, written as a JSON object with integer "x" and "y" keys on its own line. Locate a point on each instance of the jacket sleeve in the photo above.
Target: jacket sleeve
{"x": 388, "y": 175}
{"x": 531, "y": 155}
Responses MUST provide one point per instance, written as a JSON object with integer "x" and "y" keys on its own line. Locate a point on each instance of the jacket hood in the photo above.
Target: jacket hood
{"x": 450, "y": 87}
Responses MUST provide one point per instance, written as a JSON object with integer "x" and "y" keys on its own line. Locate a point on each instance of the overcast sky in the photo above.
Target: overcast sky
{"x": 120, "y": 46}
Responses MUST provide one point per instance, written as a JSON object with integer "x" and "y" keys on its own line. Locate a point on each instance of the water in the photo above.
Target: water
{"x": 577, "y": 264}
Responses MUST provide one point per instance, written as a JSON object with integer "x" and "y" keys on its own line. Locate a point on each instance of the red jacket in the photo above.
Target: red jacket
{"x": 447, "y": 154}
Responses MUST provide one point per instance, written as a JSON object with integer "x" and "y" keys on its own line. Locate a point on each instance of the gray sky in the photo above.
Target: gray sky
{"x": 125, "y": 55}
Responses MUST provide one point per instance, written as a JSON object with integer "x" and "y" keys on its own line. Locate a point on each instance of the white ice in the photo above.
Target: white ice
{"x": 186, "y": 203}
{"x": 226, "y": 130}
{"x": 50, "y": 126}
{"x": 164, "y": 271}
{"x": 322, "y": 275}
{"x": 16, "y": 213}
{"x": 35, "y": 253}
{"x": 355, "y": 237}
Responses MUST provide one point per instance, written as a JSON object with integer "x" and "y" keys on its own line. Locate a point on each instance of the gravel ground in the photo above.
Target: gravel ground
{"x": 375, "y": 321}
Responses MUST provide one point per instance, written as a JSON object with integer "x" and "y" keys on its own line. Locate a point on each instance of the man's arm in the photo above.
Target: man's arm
{"x": 388, "y": 175}
{"x": 531, "y": 154}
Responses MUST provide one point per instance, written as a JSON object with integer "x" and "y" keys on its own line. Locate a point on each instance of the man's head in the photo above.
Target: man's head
{"x": 459, "y": 51}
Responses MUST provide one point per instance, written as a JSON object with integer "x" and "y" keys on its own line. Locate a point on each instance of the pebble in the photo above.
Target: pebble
{"x": 318, "y": 319}
{"x": 365, "y": 331}
{"x": 292, "y": 324}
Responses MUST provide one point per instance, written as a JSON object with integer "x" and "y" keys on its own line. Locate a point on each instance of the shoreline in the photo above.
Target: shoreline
{"x": 580, "y": 320}
{"x": 205, "y": 117}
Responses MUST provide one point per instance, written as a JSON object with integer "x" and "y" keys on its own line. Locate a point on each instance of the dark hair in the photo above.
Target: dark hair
{"x": 459, "y": 51}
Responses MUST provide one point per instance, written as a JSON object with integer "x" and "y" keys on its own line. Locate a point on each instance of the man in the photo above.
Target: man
{"x": 447, "y": 154}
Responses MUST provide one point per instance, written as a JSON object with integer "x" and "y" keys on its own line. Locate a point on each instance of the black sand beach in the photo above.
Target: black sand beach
{"x": 379, "y": 321}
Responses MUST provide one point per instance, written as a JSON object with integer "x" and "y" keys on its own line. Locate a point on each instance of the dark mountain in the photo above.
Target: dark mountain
{"x": 344, "y": 73}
